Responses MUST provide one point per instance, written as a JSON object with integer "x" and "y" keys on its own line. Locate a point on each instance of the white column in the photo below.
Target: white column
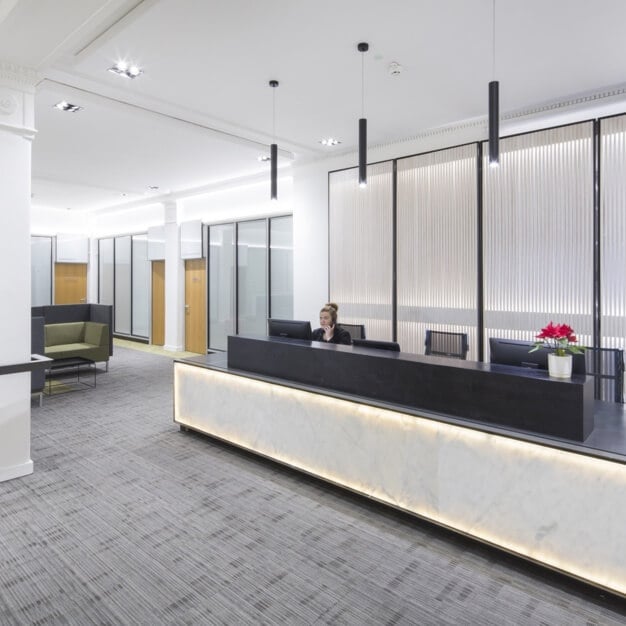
{"x": 16, "y": 135}
{"x": 174, "y": 283}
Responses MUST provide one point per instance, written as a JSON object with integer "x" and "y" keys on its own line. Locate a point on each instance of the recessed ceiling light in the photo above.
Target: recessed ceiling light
{"x": 330, "y": 141}
{"x": 263, "y": 158}
{"x": 127, "y": 70}
{"x": 66, "y": 106}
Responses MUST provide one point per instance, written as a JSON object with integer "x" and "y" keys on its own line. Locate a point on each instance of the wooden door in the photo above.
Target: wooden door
{"x": 158, "y": 303}
{"x": 70, "y": 283}
{"x": 195, "y": 306}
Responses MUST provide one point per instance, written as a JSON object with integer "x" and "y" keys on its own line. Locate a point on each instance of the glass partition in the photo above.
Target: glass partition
{"x": 122, "y": 285}
{"x": 252, "y": 277}
{"x": 105, "y": 271}
{"x": 41, "y": 271}
{"x": 281, "y": 267}
{"x": 140, "y": 286}
{"x": 221, "y": 284}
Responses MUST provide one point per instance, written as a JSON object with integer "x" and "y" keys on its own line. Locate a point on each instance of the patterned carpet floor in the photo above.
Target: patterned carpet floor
{"x": 127, "y": 520}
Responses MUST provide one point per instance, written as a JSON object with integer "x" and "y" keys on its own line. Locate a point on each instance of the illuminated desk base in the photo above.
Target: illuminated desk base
{"x": 558, "y": 508}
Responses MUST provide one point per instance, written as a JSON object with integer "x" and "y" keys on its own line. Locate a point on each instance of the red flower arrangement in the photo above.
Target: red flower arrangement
{"x": 558, "y": 337}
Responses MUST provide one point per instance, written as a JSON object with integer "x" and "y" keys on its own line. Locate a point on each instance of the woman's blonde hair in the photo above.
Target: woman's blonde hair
{"x": 332, "y": 308}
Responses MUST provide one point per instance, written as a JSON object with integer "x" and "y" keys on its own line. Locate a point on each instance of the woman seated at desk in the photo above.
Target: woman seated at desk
{"x": 330, "y": 331}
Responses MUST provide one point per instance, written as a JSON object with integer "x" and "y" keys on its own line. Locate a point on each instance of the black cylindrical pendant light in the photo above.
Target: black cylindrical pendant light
{"x": 363, "y": 48}
{"x": 362, "y": 152}
{"x": 274, "y": 148}
{"x": 494, "y": 99}
{"x": 494, "y": 124}
{"x": 274, "y": 171}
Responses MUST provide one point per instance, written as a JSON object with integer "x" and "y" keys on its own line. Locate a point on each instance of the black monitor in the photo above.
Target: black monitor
{"x": 517, "y": 353}
{"x": 291, "y": 329}
{"x": 378, "y": 345}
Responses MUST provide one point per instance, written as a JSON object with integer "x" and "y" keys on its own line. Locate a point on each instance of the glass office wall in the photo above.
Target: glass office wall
{"x": 141, "y": 270}
{"x": 106, "y": 271}
{"x": 281, "y": 267}
{"x": 123, "y": 284}
{"x": 252, "y": 277}
{"x": 437, "y": 246}
{"x": 124, "y": 275}
{"x": 361, "y": 248}
{"x": 221, "y": 284}
{"x": 41, "y": 271}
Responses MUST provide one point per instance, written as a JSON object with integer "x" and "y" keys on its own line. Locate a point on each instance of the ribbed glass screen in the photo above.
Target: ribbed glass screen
{"x": 538, "y": 234}
{"x": 361, "y": 247}
{"x": 613, "y": 229}
{"x": 437, "y": 239}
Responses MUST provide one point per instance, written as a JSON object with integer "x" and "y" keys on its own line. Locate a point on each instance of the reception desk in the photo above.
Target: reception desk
{"x": 539, "y": 496}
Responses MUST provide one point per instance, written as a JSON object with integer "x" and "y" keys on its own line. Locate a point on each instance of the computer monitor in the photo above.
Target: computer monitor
{"x": 517, "y": 353}
{"x": 291, "y": 329}
{"x": 378, "y": 345}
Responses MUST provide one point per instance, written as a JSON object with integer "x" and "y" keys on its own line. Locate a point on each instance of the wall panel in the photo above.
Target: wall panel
{"x": 437, "y": 243}
{"x": 361, "y": 248}
{"x": 613, "y": 232}
{"x": 538, "y": 234}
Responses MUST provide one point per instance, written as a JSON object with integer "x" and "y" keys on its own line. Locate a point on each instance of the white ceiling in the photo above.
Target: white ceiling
{"x": 202, "y": 110}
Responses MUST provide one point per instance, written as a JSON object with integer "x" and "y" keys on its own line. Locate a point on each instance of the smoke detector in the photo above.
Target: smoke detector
{"x": 394, "y": 69}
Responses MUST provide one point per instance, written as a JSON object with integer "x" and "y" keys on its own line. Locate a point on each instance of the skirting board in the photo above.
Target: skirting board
{"x": 16, "y": 471}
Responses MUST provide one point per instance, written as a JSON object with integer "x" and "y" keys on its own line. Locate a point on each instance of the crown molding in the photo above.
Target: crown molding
{"x": 18, "y": 77}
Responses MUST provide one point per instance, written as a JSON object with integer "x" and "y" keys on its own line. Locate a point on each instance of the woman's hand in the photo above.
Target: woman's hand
{"x": 328, "y": 332}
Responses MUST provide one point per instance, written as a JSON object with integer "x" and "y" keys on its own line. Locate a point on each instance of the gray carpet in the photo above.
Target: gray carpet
{"x": 126, "y": 520}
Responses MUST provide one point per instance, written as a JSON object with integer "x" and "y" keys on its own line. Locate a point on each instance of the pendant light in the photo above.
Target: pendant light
{"x": 494, "y": 101}
{"x": 274, "y": 147}
{"x": 362, "y": 48}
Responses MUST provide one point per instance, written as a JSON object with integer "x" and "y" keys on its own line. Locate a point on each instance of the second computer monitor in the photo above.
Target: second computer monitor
{"x": 378, "y": 345}
{"x": 517, "y": 353}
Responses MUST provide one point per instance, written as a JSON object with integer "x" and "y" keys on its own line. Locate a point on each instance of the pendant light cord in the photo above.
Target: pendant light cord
{"x": 362, "y": 84}
{"x": 493, "y": 41}
{"x": 274, "y": 115}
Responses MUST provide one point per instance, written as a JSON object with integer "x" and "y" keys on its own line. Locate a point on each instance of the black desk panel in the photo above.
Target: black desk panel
{"x": 495, "y": 394}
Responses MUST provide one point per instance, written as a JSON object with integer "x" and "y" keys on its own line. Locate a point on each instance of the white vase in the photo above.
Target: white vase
{"x": 560, "y": 366}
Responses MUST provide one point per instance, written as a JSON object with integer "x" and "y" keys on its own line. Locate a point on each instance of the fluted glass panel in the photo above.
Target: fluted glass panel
{"x": 613, "y": 228}
{"x": 361, "y": 248}
{"x": 437, "y": 242}
{"x": 538, "y": 234}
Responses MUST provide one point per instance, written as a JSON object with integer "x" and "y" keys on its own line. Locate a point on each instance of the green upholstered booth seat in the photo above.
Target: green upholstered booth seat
{"x": 89, "y": 340}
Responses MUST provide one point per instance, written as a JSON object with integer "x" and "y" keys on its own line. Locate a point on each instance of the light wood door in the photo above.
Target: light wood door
{"x": 158, "y": 303}
{"x": 70, "y": 283}
{"x": 195, "y": 306}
